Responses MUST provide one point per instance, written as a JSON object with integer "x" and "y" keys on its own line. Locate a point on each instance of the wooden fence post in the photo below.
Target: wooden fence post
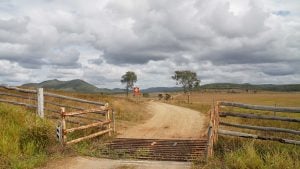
{"x": 114, "y": 123}
{"x": 40, "y": 100}
{"x": 209, "y": 142}
{"x": 217, "y": 121}
{"x": 63, "y": 123}
{"x": 108, "y": 117}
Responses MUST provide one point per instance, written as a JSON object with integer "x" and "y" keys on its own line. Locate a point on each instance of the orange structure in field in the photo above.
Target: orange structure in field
{"x": 136, "y": 91}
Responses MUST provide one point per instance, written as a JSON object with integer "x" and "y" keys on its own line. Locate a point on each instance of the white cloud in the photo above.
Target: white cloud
{"x": 98, "y": 41}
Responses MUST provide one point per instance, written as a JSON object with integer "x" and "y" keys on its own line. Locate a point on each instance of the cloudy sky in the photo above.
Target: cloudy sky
{"x": 255, "y": 41}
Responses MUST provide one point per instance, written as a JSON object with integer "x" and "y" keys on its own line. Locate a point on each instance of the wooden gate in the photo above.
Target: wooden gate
{"x": 105, "y": 124}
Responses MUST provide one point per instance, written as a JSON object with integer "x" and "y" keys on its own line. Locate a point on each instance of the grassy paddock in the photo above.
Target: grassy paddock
{"x": 239, "y": 153}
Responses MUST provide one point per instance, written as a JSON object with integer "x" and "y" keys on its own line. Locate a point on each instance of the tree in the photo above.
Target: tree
{"x": 129, "y": 78}
{"x": 160, "y": 96}
{"x": 188, "y": 80}
{"x": 167, "y": 96}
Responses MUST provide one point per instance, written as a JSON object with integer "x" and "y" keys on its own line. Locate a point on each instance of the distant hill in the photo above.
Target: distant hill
{"x": 161, "y": 89}
{"x": 76, "y": 85}
{"x": 247, "y": 86}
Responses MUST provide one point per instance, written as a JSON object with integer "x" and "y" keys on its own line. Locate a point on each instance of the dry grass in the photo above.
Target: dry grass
{"x": 246, "y": 153}
{"x": 262, "y": 98}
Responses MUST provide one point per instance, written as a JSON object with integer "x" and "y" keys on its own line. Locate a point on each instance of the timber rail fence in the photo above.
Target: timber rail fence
{"x": 90, "y": 114}
{"x": 215, "y": 123}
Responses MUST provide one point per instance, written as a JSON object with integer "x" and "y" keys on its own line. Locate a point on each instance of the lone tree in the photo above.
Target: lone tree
{"x": 129, "y": 78}
{"x": 188, "y": 80}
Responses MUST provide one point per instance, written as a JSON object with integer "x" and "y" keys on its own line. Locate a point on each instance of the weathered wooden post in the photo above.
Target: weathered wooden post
{"x": 63, "y": 123}
{"x": 208, "y": 152}
{"x": 114, "y": 123}
{"x": 40, "y": 100}
{"x": 217, "y": 121}
{"x": 108, "y": 117}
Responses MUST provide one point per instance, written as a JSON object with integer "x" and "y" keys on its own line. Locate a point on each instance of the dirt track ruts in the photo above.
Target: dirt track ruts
{"x": 169, "y": 121}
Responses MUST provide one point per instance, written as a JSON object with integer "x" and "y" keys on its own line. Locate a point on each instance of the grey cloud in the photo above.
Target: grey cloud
{"x": 133, "y": 57}
{"x": 17, "y": 25}
{"x": 154, "y": 38}
{"x": 282, "y": 13}
{"x": 67, "y": 58}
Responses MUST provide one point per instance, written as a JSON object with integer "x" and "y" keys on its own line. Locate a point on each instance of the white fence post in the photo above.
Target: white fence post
{"x": 40, "y": 99}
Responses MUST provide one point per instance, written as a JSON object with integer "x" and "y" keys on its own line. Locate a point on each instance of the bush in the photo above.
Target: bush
{"x": 146, "y": 95}
{"x": 37, "y": 137}
{"x": 167, "y": 96}
{"x": 160, "y": 96}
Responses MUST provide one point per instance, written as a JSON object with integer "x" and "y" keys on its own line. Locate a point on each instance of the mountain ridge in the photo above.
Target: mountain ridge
{"x": 78, "y": 85}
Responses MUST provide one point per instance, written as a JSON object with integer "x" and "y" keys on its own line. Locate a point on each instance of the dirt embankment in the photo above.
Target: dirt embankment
{"x": 169, "y": 121}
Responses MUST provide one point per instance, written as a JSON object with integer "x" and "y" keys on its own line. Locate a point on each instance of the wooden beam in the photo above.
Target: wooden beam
{"x": 74, "y": 99}
{"x": 259, "y": 107}
{"x": 51, "y": 110}
{"x": 89, "y": 136}
{"x": 69, "y": 121}
{"x": 209, "y": 146}
{"x": 17, "y": 103}
{"x": 66, "y": 106}
{"x": 256, "y": 116}
{"x": 85, "y": 111}
{"x": 40, "y": 102}
{"x": 275, "y": 129}
{"x": 54, "y": 95}
{"x": 18, "y": 89}
{"x": 246, "y": 135}
{"x": 63, "y": 125}
{"x": 72, "y": 107}
{"x": 87, "y": 126}
{"x": 87, "y": 118}
{"x": 19, "y": 96}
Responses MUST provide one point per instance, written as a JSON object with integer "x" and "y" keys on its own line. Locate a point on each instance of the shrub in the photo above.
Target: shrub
{"x": 146, "y": 95}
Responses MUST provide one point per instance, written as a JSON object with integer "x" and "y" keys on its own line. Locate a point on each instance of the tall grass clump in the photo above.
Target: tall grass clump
{"x": 24, "y": 138}
{"x": 237, "y": 153}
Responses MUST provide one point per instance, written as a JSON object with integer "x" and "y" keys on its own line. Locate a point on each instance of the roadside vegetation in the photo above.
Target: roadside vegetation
{"x": 25, "y": 141}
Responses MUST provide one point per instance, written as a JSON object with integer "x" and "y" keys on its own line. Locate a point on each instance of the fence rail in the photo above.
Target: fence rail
{"x": 54, "y": 95}
{"x": 259, "y": 107}
{"x": 65, "y": 131}
{"x": 18, "y": 103}
{"x": 256, "y": 116}
{"x": 36, "y": 99}
{"x": 275, "y": 129}
{"x": 18, "y": 96}
{"x": 246, "y": 135}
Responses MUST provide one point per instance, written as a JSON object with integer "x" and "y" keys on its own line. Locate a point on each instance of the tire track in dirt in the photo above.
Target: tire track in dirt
{"x": 168, "y": 122}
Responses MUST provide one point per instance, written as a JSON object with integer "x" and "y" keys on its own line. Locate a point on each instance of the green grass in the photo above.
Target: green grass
{"x": 237, "y": 153}
{"x": 25, "y": 140}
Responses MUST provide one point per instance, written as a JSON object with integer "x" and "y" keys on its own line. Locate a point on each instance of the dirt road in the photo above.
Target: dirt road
{"x": 169, "y": 122}
{"x": 96, "y": 163}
